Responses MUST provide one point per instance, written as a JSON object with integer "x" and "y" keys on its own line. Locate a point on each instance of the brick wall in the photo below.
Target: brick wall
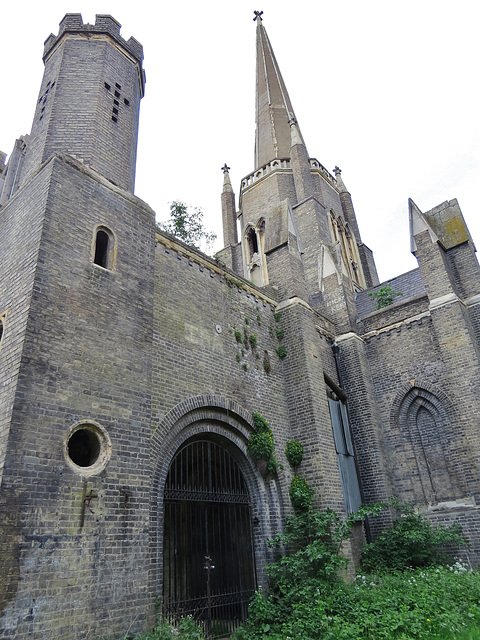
{"x": 87, "y": 357}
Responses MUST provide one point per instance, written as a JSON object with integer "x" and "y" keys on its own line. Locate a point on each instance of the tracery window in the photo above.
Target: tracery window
{"x": 342, "y": 235}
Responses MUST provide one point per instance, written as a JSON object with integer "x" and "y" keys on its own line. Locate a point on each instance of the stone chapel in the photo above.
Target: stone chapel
{"x": 131, "y": 364}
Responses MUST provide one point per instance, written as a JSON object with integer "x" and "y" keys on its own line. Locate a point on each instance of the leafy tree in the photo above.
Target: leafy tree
{"x": 186, "y": 223}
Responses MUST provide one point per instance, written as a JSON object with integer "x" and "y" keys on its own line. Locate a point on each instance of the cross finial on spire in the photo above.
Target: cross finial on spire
{"x": 225, "y": 169}
{"x": 258, "y": 14}
{"x": 337, "y": 171}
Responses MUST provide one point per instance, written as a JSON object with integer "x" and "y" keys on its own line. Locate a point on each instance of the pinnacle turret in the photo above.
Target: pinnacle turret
{"x": 295, "y": 135}
{"x": 340, "y": 184}
{"x": 227, "y": 185}
{"x": 229, "y": 216}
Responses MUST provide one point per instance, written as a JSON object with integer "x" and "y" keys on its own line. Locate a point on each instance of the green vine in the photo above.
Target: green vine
{"x": 261, "y": 445}
{"x": 294, "y": 453}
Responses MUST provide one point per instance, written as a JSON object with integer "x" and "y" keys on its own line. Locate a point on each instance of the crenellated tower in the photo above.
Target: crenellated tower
{"x": 89, "y": 99}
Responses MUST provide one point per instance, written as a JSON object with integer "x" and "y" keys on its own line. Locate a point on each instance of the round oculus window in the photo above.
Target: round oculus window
{"x": 87, "y": 448}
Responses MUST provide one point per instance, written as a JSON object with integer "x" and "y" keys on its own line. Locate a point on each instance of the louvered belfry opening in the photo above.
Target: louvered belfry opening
{"x": 209, "y": 568}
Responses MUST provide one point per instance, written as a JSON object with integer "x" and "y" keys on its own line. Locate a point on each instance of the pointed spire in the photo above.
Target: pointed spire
{"x": 273, "y": 107}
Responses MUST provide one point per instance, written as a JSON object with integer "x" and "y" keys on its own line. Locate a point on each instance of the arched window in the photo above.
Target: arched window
{"x": 104, "y": 248}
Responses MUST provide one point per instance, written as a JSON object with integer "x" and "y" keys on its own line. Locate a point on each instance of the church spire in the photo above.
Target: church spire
{"x": 273, "y": 107}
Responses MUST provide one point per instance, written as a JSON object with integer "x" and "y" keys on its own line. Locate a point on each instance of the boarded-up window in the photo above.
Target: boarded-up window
{"x": 345, "y": 455}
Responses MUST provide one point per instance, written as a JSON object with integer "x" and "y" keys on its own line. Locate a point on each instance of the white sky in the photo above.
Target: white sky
{"x": 387, "y": 90}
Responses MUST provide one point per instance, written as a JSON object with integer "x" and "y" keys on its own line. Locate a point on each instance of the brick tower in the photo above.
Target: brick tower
{"x": 76, "y": 311}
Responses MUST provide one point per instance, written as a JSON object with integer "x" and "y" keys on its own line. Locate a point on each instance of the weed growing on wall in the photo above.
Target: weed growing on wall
{"x": 384, "y": 296}
{"x": 281, "y": 351}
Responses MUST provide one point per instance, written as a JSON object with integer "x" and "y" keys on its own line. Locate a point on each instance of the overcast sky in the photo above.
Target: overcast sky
{"x": 386, "y": 90}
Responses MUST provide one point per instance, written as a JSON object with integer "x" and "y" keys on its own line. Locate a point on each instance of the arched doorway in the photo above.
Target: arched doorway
{"x": 208, "y": 560}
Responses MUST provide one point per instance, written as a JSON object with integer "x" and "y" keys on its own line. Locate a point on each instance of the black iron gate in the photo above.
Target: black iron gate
{"x": 208, "y": 560}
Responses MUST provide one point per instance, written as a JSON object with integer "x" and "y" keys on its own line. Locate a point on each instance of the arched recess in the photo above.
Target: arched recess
{"x": 423, "y": 468}
{"x": 227, "y": 426}
{"x": 254, "y": 253}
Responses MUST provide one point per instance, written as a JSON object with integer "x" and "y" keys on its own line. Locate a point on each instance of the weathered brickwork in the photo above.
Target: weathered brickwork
{"x": 81, "y": 315}
{"x": 120, "y": 346}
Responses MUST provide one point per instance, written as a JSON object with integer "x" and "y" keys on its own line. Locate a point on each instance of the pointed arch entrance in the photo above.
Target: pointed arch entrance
{"x": 208, "y": 560}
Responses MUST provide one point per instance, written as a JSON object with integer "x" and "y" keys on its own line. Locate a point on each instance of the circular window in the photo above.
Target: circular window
{"x": 87, "y": 448}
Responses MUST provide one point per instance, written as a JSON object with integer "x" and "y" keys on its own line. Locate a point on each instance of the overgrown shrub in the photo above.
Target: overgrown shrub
{"x": 261, "y": 445}
{"x": 412, "y": 541}
{"x": 307, "y": 599}
{"x": 259, "y": 422}
{"x": 301, "y": 494}
{"x": 436, "y": 602}
{"x": 187, "y": 629}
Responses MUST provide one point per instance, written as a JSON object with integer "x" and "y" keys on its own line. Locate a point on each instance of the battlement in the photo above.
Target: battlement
{"x": 106, "y": 24}
{"x": 278, "y": 164}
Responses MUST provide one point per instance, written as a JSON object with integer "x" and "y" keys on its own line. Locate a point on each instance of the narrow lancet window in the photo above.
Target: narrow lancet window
{"x": 103, "y": 250}
{"x": 252, "y": 242}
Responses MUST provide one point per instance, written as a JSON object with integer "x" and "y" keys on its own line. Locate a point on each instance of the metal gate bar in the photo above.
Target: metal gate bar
{"x": 208, "y": 560}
